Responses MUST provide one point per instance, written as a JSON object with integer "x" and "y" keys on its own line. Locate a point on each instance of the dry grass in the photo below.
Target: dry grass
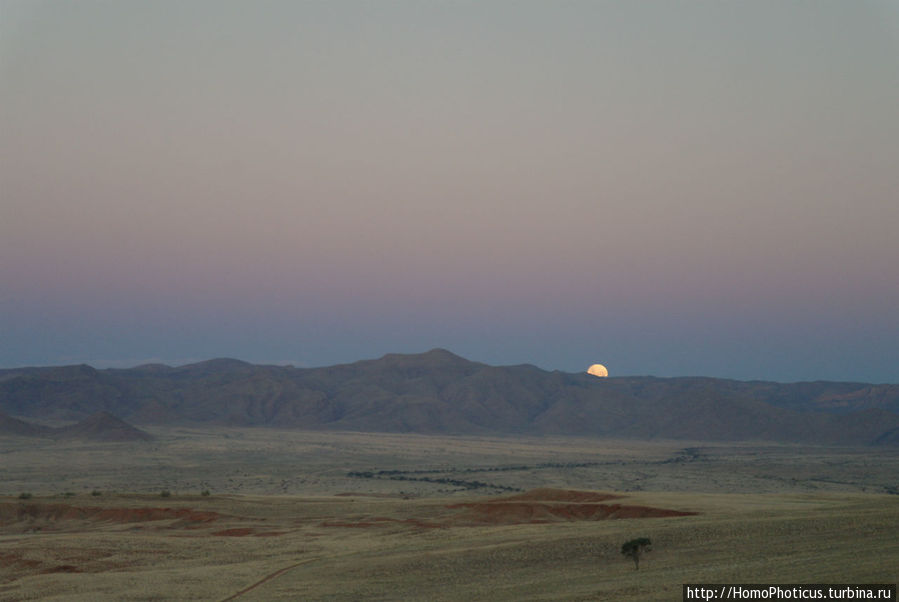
{"x": 763, "y": 514}
{"x": 273, "y": 462}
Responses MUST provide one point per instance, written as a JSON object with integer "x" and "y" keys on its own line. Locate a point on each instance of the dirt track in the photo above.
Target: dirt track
{"x": 267, "y": 578}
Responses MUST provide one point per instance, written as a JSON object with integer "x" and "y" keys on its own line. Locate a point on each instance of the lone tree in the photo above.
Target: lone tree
{"x": 636, "y": 548}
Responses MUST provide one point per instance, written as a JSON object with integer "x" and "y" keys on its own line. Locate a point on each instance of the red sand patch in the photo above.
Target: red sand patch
{"x": 532, "y": 507}
{"x": 15, "y": 560}
{"x": 554, "y": 505}
{"x": 15, "y": 566}
{"x": 13, "y": 513}
{"x": 62, "y": 568}
{"x": 360, "y": 524}
{"x": 236, "y": 532}
{"x": 516, "y": 513}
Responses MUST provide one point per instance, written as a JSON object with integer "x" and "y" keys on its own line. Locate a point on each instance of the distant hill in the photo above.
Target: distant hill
{"x": 101, "y": 426}
{"x": 439, "y": 392}
{"x": 20, "y": 428}
{"x": 890, "y": 437}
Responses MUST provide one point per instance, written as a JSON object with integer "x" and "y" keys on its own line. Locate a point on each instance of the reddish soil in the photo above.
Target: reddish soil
{"x": 532, "y": 507}
{"x": 515, "y": 513}
{"x": 237, "y": 532}
{"x": 14, "y": 565}
{"x": 537, "y": 506}
{"x": 553, "y": 505}
{"x": 11, "y": 513}
{"x": 15, "y": 560}
{"x": 62, "y": 568}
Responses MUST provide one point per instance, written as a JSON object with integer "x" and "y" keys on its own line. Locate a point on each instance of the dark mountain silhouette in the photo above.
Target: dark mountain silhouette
{"x": 439, "y": 392}
{"x": 101, "y": 426}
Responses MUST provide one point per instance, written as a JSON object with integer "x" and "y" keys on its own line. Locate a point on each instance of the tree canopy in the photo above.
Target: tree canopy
{"x": 635, "y": 548}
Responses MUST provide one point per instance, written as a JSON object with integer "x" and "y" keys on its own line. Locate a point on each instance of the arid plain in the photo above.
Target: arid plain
{"x": 348, "y": 516}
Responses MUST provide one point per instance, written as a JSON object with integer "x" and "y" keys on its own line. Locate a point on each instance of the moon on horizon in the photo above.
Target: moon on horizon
{"x": 598, "y": 370}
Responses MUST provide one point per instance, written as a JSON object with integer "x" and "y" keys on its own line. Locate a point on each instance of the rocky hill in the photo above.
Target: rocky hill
{"x": 439, "y": 392}
{"x": 20, "y": 428}
{"x": 101, "y": 426}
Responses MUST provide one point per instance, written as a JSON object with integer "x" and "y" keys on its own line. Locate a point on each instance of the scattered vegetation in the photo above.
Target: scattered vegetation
{"x": 407, "y": 475}
{"x": 413, "y": 546}
{"x": 515, "y": 467}
{"x": 24, "y": 496}
{"x": 400, "y": 475}
{"x": 635, "y": 548}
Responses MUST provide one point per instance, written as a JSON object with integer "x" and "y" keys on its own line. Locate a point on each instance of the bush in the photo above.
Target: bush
{"x": 24, "y": 496}
{"x": 635, "y": 548}
{"x": 96, "y": 493}
{"x": 166, "y": 493}
{"x": 205, "y": 493}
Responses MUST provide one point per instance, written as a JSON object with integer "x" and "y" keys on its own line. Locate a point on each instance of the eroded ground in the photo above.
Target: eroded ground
{"x": 544, "y": 544}
{"x": 396, "y": 517}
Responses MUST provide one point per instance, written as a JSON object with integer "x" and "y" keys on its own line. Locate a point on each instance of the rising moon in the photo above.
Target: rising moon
{"x": 598, "y": 370}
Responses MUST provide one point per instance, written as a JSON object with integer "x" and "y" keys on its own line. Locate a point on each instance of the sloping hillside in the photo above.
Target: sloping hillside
{"x": 439, "y": 392}
{"x": 101, "y": 426}
{"x": 20, "y": 428}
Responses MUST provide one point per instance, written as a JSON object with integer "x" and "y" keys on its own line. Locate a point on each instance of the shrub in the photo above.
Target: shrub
{"x": 636, "y": 548}
{"x": 24, "y": 496}
{"x": 166, "y": 493}
{"x": 96, "y": 493}
{"x": 205, "y": 493}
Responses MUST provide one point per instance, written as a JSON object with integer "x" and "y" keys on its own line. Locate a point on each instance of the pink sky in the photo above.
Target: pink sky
{"x": 668, "y": 188}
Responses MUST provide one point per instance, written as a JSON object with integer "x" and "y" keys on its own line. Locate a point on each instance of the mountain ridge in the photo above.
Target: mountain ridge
{"x": 440, "y": 392}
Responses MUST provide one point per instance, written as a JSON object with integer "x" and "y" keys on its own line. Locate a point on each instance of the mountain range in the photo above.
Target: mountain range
{"x": 439, "y": 392}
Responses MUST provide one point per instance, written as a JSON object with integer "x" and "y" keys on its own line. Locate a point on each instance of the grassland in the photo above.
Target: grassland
{"x": 350, "y": 516}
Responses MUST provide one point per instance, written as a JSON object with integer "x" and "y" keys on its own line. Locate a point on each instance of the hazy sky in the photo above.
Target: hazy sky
{"x": 669, "y": 188}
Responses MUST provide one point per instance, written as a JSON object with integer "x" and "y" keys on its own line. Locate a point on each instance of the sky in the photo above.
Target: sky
{"x": 670, "y": 188}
